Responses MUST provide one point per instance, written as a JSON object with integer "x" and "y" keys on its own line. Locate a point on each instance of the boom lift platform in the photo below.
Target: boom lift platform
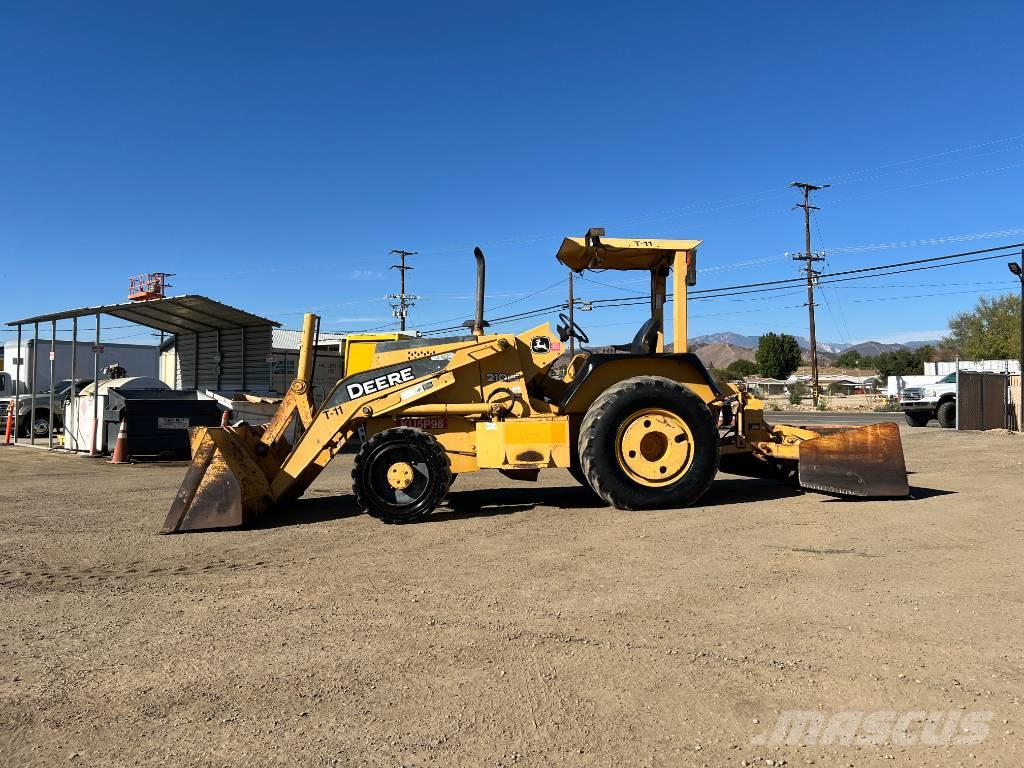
{"x": 643, "y": 430}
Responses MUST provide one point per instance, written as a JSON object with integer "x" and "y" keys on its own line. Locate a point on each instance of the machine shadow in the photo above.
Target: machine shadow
{"x": 308, "y": 511}
{"x": 495, "y": 502}
{"x": 917, "y": 493}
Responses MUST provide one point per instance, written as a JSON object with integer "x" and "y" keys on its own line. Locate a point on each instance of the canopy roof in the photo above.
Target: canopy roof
{"x": 620, "y": 253}
{"x": 175, "y": 314}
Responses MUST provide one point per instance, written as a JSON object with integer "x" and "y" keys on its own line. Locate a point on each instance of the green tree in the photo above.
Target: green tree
{"x": 778, "y": 355}
{"x": 851, "y": 358}
{"x": 902, "y": 362}
{"x": 991, "y": 331}
{"x": 740, "y": 369}
{"x": 925, "y": 353}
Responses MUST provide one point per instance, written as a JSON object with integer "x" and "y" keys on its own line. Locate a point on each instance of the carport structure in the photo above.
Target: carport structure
{"x": 216, "y": 346}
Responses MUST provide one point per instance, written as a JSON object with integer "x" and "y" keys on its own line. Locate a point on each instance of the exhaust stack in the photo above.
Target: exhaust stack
{"x": 481, "y": 272}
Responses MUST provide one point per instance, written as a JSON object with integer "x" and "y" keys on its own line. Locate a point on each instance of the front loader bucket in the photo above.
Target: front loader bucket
{"x": 224, "y": 486}
{"x": 864, "y": 462}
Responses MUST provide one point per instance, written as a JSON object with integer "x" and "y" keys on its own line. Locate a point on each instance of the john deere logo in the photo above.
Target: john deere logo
{"x": 540, "y": 344}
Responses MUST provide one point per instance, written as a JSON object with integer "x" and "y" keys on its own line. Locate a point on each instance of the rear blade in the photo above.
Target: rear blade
{"x": 223, "y": 488}
{"x": 864, "y": 462}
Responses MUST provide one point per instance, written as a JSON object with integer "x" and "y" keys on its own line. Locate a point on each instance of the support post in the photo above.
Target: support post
{"x": 572, "y": 317}
{"x": 94, "y": 443}
{"x": 69, "y": 434}
{"x": 679, "y": 302}
{"x": 17, "y": 386}
{"x": 243, "y": 358}
{"x": 658, "y": 304}
{"x": 32, "y": 387}
{"x": 53, "y": 361}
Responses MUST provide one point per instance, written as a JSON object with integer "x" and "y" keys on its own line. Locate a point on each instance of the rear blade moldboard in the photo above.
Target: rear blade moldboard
{"x": 866, "y": 462}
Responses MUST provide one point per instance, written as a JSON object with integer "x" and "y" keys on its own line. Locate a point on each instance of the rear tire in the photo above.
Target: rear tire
{"x": 946, "y": 414}
{"x": 576, "y": 470}
{"x": 401, "y": 475}
{"x": 649, "y": 443}
{"x": 917, "y": 419}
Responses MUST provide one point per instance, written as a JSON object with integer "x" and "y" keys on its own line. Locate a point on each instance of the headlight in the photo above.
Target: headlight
{"x": 929, "y": 393}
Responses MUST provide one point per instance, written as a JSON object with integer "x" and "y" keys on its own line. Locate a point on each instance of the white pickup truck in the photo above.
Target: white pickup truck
{"x": 932, "y": 401}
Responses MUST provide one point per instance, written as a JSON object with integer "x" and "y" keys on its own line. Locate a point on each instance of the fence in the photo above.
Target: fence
{"x": 981, "y": 400}
{"x": 1015, "y": 401}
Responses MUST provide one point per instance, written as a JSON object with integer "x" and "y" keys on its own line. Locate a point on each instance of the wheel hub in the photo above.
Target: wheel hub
{"x": 654, "y": 447}
{"x": 400, "y": 475}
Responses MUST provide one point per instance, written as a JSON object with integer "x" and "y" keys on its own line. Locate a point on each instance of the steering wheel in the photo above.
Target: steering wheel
{"x": 571, "y": 329}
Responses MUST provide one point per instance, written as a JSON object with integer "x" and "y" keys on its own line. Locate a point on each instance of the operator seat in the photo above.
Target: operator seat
{"x": 646, "y": 340}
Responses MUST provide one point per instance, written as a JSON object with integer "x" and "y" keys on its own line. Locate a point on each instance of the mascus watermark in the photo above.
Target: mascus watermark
{"x": 907, "y": 728}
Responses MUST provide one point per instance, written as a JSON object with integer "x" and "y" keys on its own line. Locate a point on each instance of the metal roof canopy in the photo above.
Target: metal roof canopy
{"x": 175, "y": 314}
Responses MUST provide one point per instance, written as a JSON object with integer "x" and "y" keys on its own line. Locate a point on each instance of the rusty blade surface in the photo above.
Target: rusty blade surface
{"x": 865, "y": 462}
{"x": 223, "y": 487}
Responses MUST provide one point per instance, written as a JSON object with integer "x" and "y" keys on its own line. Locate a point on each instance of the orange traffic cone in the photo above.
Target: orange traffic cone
{"x": 121, "y": 446}
{"x": 10, "y": 423}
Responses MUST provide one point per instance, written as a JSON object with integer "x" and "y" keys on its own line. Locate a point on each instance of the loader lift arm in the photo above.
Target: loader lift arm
{"x": 239, "y": 472}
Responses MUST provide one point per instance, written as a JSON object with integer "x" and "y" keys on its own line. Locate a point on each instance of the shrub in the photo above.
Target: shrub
{"x": 796, "y": 393}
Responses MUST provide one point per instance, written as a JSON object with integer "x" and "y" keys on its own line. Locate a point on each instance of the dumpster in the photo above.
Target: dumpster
{"x": 78, "y": 412}
{"x": 157, "y": 421}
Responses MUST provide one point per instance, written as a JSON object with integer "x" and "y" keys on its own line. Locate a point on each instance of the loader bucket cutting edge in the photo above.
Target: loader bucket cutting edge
{"x": 866, "y": 462}
{"x": 223, "y": 488}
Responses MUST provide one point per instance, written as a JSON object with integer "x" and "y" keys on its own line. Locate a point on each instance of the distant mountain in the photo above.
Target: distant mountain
{"x": 719, "y": 354}
{"x": 727, "y": 337}
{"x": 866, "y": 348}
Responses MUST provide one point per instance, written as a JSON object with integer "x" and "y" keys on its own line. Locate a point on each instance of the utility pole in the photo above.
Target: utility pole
{"x": 405, "y": 300}
{"x": 1018, "y": 271}
{"x": 808, "y": 257}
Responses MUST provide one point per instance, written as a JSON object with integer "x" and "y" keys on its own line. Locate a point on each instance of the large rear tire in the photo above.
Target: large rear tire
{"x": 649, "y": 443}
{"x": 916, "y": 418}
{"x": 401, "y": 475}
{"x": 946, "y": 414}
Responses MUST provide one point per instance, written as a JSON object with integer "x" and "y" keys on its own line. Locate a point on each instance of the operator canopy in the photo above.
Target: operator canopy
{"x": 620, "y": 253}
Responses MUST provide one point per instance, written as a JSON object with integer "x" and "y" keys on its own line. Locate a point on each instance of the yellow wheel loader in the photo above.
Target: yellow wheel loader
{"x": 643, "y": 430}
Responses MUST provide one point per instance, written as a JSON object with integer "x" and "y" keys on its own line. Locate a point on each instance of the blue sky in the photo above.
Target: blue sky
{"x": 271, "y": 154}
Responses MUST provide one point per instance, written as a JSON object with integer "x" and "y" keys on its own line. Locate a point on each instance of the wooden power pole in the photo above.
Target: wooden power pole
{"x": 404, "y": 300}
{"x": 808, "y": 257}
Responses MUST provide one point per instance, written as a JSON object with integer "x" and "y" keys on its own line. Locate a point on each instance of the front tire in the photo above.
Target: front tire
{"x": 916, "y": 418}
{"x": 39, "y": 424}
{"x": 649, "y": 443}
{"x": 946, "y": 414}
{"x": 401, "y": 475}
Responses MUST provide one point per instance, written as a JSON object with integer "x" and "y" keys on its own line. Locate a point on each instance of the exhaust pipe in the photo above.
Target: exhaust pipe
{"x": 478, "y": 322}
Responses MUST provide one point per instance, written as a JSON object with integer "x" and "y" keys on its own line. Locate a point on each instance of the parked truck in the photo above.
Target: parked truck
{"x": 932, "y": 401}
{"x": 27, "y": 370}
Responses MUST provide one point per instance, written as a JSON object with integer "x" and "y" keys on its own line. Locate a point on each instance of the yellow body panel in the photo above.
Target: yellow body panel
{"x": 359, "y": 350}
{"x": 523, "y": 443}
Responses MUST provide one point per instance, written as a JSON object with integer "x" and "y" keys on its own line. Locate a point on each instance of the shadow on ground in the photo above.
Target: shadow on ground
{"x": 493, "y": 502}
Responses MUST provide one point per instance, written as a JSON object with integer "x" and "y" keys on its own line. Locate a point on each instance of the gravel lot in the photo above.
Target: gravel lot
{"x": 523, "y": 625}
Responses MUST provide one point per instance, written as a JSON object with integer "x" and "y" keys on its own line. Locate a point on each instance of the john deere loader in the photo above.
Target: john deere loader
{"x": 643, "y": 430}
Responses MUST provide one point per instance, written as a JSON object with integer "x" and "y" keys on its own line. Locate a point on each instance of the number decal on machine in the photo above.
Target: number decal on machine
{"x": 422, "y": 422}
{"x": 494, "y": 378}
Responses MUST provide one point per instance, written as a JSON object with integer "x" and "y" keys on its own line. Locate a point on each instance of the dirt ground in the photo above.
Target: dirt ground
{"x": 524, "y": 625}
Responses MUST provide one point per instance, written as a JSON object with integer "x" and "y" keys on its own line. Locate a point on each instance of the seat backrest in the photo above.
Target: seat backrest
{"x": 646, "y": 339}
